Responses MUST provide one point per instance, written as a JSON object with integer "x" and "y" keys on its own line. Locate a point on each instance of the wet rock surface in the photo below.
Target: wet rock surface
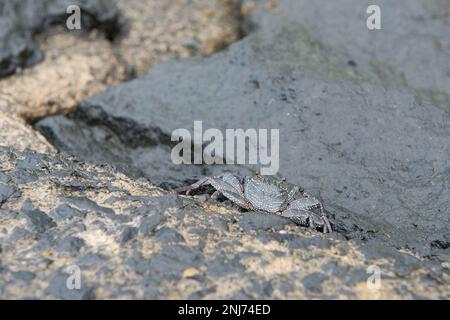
{"x": 132, "y": 240}
{"x": 377, "y": 155}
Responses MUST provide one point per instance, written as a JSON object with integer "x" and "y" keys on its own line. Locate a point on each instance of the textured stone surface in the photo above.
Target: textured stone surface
{"x": 412, "y": 49}
{"x": 204, "y": 253}
{"x": 76, "y": 66}
{"x": 22, "y": 19}
{"x": 73, "y": 69}
{"x": 158, "y": 30}
{"x": 14, "y": 132}
{"x": 366, "y": 132}
{"x": 377, "y": 155}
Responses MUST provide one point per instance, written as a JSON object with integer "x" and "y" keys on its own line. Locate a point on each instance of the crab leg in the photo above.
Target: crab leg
{"x": 327, "y": 225}
{"x": 325, "y": 219}
{"x": 194, "y": 186}
{"x": 215, "y": 195}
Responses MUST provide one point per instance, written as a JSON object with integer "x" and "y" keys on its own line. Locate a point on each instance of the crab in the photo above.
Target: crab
{"x": 260, "y": 194}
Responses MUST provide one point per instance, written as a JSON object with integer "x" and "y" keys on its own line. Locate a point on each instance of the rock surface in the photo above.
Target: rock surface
{"x": 131, "y": 240}
{"x": 366, "y": 132}
{"x": 73, "y": 70}
{"x": 21, "y": 20}
{"x": 78, "y": 65}
{"x": 376, "y": 154}
{"x": 158, "y": 30}
{"x": 412, "y": 49}
{"x": 17, "y": 134}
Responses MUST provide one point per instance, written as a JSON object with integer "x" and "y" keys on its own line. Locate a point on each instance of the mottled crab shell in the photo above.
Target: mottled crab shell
{"x": 231, "y": 188}
{"x": 263, "y": 195}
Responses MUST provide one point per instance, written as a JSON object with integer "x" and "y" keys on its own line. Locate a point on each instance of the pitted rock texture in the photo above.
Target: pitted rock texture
{"x": 132, "y": 240}
{"x": 376, "y": 155}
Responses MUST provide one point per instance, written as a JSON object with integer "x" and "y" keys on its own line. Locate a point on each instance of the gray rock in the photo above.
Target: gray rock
{"x": 314, "y": 242}
{"x": 90, "y": 259}
{"x": 376, "y": 153}
{"x": 23, "y": 275}
{"x": 313, "y": 282}
{"x": 58, "y": 288}
{"x": 223, "y": 266}
{"x": 200, "y": 294}
{"x": 361, "y": 130}
{"x": 71, "y": 245}
{"x": 6, "y": 192}
{"x": 38, "y": 220}
{"x": 149, "y": 224}
{"x": 128, "y": 234}
{"x": 21, "y": 20}
{"x": 393, "y": 55}
{"x": 86, "y": 204}
{"x": 168, "y": 235}
{"x": 157, "y": 266}
{"x": 20, "y": 234}
{"x": 256, "y": 221}
{"x": 67, "y": 212}
{"x": 173, "y": 260}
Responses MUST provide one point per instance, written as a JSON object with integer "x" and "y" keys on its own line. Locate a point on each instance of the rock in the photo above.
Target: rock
{"x": 57, "y": 288}
{"x": 201, "y": 294}
{"x": 255, "y": 221}
{"x": 74, "y": 67}
{"x": 149, "y": 224}
{"x": 15, "y": 133}
{"x": 313, "y": 282}
{"x": 71, "y": 245}
{"x": 155, "y": 31}
{"x": 173, "y": 260}
{"x": 399, "y": 56}
{"x": 314, "y": 242}
{"x": 87, "y": 204}
{"x": 190, "y": 255}
{"x": 361, "y": 130}
{"x": 21, "y": 20}
{"x": 128, "y": 234}
{"x": 20, "y": 234}
{"x": 167, "y": 235}
{"x": 67, "y": 212}
{"x": 6, "y": 192}
{"x": 25, "y": 276}
{"x": 283, "y": 77}
{"x": 38, "y": 220}
{"x": 222, "y": 266}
